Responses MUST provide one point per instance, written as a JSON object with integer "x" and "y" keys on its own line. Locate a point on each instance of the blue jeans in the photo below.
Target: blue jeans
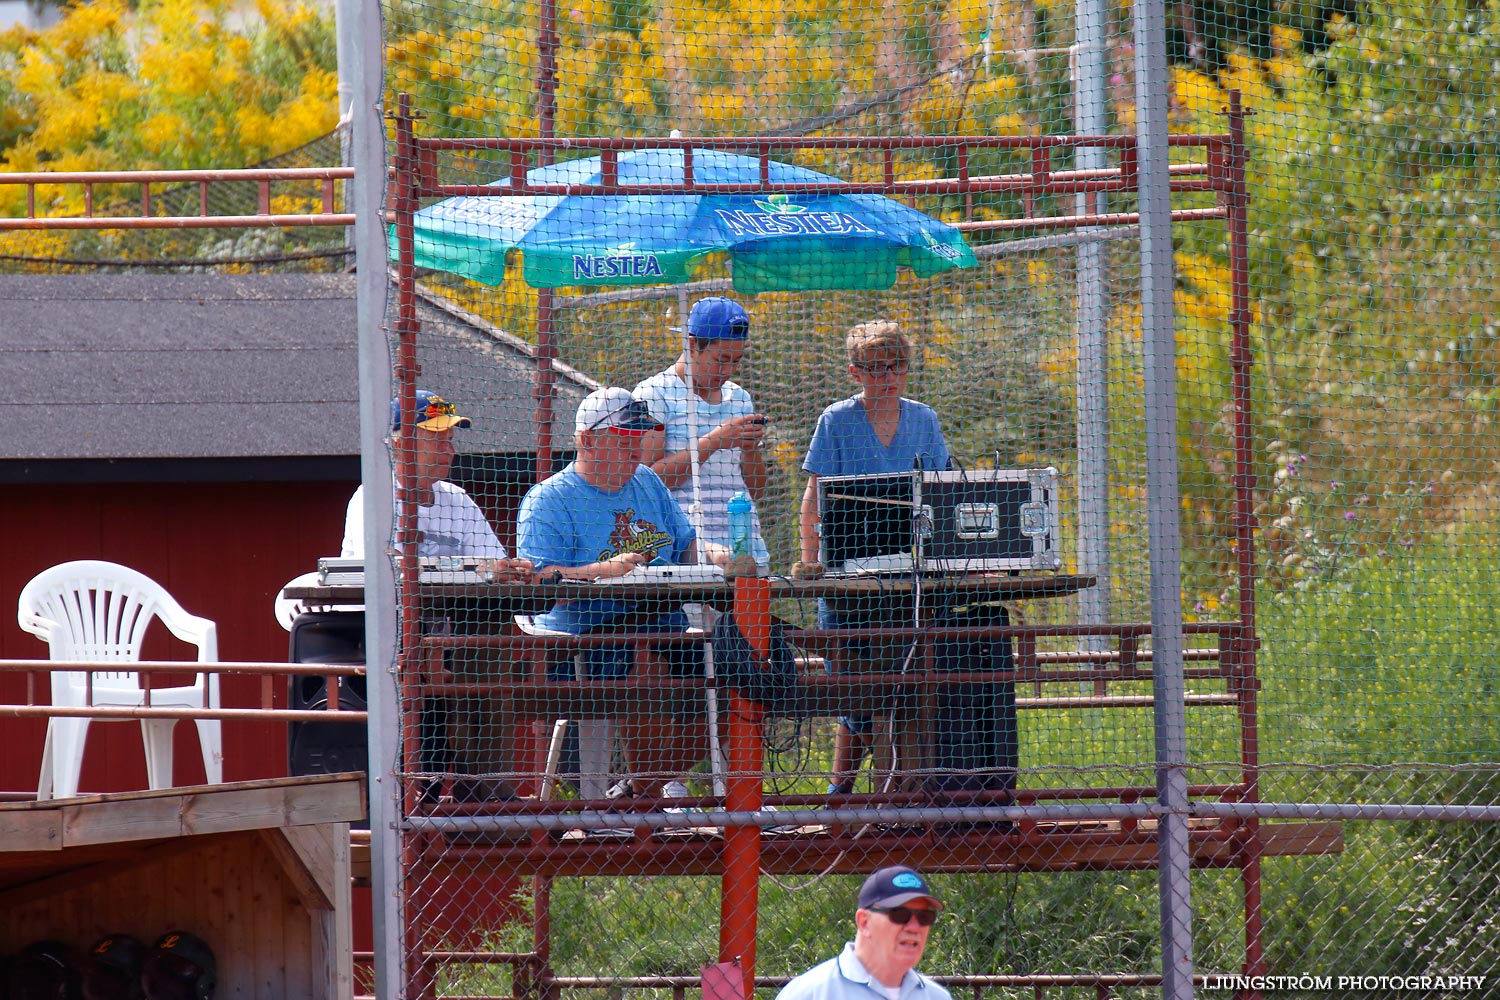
{"x": 878, "y": 654}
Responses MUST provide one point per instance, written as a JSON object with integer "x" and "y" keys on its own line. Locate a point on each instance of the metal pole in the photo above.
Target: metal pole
{"x": 409, "y": 661}
{"x": 694, "y": 459}
{"x": 367, "y": 127}
{"x": 1237, "y": 201}
{"x": 546, "y": 344}
{"x": 739, "y": 893}
{"x": 546, "y": 351}
{"x": 1092, "y": 394}
{"x": 345, "y": 19}
{"x": 1159, "y": 356}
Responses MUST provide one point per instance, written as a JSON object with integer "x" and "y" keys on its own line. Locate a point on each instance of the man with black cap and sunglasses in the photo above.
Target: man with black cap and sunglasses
{"x": 897, "y": 909}
{"x": 601, "y": 517}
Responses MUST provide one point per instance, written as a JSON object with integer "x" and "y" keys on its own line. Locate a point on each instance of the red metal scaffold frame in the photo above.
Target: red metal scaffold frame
{"x": 327, "y": 179}
{"x": 1240, "y": 844}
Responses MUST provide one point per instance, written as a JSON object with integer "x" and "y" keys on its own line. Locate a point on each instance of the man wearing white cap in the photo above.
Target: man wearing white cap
{"x": 599, "y": 518}
{"x": 897, "y": 909}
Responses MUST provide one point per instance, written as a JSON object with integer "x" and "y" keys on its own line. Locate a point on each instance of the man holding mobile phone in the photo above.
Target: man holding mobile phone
{"x": 729, "y": 430}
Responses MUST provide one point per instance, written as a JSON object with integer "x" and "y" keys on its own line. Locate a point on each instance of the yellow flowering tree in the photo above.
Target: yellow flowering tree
{"x": 172, "y": 84}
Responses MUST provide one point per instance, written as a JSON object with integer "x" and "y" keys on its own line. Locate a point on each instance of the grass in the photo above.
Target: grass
{"x": 1378, "y": 686}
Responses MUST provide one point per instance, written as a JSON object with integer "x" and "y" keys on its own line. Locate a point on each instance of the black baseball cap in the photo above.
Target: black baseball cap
{"x": 895, "y": 886}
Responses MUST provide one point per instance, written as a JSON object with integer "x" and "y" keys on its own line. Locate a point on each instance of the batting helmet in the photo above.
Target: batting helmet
{"x": 180, "y": 966}
{"x": 112, "y": 970}
{"x": 45, "y": 970}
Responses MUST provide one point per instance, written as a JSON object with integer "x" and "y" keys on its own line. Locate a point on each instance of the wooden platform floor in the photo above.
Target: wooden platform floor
{"x": 39, "y": 840}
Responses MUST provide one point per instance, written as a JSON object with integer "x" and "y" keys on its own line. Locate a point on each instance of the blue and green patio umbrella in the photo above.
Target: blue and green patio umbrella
{"x": 811, "y": 240}
{"x": 806, "y": 241}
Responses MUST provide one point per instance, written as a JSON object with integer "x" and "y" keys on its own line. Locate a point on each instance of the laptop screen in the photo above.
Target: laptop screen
{"x": 865, "y": 516}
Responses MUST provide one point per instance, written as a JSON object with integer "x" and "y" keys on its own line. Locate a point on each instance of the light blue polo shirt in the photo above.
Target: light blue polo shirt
{"x": 845, "y": 977}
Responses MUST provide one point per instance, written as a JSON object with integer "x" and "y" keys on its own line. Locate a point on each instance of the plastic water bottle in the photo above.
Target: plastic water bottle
{"x": 739, "y": 509}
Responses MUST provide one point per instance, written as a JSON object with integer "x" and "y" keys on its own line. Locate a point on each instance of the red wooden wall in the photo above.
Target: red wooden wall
{"x": 222, "y": 549}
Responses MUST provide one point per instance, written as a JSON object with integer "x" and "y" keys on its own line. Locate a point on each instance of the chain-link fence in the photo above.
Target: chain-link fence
{"x": 848, "y": 301}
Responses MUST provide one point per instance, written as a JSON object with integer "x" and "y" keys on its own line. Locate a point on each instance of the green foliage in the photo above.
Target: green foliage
{"x": 1393, "y": 660}
{"x": 1374, "y": 175}
{"x": 175, "y": 84}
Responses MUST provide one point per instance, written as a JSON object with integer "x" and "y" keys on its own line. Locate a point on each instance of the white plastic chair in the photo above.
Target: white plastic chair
{"x": 92, "y": 610}
{"x": 286, "y": 608}
{"x": 596, "y": 737}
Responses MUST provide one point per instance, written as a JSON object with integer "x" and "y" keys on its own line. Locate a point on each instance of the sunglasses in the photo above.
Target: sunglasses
{"x": 882, "y": 368}
{"x": 903, "y": 914}
{"x": 634, "y": 410}
{"x": 438, "y": 407}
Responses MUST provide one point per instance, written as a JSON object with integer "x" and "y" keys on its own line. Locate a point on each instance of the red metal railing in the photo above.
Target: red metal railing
{"x": 319, "y": 183}
{"x": 265, "y": 711}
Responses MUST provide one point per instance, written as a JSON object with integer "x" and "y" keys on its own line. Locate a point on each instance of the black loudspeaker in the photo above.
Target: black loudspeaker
{"x": 327, "y": 747}
{"x": 975, "y": 745}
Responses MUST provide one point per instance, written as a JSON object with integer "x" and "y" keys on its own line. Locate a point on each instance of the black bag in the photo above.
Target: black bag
{"x": 772, "y": 683}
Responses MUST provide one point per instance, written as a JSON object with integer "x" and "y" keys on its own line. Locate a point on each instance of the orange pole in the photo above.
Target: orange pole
{"x": 739, "y": 898}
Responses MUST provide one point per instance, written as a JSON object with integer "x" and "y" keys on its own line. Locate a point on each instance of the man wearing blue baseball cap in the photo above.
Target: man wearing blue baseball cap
{"x": 897, "y": 909}
{"x": 449, "y": 523}
{"x": 723, "y": 419}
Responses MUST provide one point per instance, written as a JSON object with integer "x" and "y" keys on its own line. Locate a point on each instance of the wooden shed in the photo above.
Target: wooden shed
{"x": 258, "y": 870}
{"x": 203, "y": 429}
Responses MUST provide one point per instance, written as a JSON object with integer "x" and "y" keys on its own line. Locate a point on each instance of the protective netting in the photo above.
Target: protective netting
{"x": 924, "y": 427}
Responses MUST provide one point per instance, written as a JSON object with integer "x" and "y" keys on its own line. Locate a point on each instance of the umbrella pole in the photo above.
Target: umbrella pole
{"x": 695, "y": 512}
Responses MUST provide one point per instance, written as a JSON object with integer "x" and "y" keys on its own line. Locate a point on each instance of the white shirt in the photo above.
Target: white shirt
{"x": 719, "y": 475}
{"x": 453, "y": 525}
